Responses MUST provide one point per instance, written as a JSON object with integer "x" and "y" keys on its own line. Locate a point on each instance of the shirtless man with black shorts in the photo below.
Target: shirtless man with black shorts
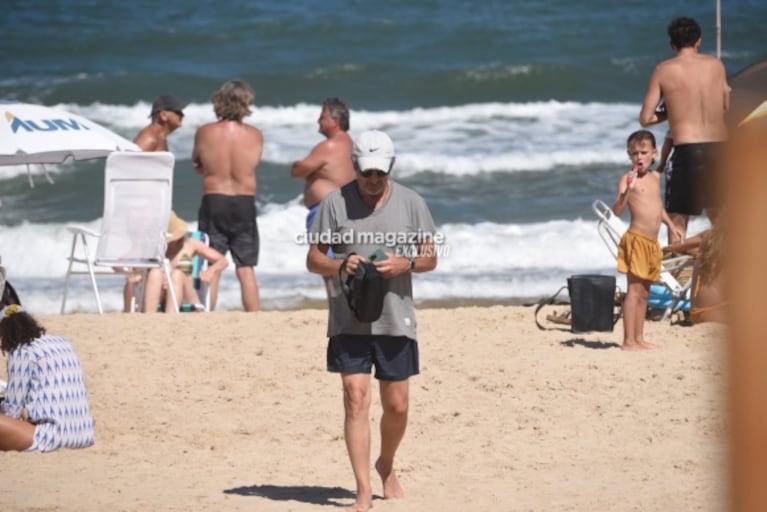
{"x": 226, "y": 154}
{"x": 696, "y": 95}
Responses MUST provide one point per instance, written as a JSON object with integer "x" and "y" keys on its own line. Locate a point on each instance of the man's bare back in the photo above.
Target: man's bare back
{"x": 695, "y": 91}
{"x": 226, "y": 154}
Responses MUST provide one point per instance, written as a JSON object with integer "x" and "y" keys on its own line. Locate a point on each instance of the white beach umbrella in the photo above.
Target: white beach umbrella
{"x": 36, "y": 134}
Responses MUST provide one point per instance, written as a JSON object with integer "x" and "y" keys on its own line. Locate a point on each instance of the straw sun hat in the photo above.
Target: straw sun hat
{"x": 177, "y": 228}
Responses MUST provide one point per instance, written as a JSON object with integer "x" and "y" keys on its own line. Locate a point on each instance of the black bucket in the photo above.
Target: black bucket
{"x": 592, "y": 301}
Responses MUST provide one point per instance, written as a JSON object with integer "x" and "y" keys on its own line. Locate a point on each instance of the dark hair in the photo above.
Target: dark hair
{"x": 18, "y": 329}
{"x": 684, "y": 32}
{"x": 338, "y": 110}
{"x": 640, "y": 135}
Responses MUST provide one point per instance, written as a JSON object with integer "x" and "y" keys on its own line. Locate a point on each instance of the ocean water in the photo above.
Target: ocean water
{"x": 509, "y": 118}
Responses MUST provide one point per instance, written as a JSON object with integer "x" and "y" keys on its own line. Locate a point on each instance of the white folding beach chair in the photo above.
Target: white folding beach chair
{"x": 611, "y": 228}
{"x": 138, "y": 188}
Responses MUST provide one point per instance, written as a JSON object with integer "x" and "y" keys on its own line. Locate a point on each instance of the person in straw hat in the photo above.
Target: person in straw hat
{"x": 181, "y": 249}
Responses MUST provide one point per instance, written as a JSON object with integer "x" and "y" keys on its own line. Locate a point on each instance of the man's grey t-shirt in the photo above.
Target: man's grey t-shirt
{"x": 348, "y": 225}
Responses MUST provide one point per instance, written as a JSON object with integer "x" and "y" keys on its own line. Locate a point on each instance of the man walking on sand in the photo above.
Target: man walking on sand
{"x": 373, "y": 206}
{"x": 226, "y": 154}
{"x": 696, "y": 95}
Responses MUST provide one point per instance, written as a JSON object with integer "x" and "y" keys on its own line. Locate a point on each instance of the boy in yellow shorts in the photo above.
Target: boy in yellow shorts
{"x": 639, "y": 253}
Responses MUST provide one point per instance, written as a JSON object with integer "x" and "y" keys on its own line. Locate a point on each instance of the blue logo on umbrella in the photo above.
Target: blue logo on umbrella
{"x": 50, "y": 125}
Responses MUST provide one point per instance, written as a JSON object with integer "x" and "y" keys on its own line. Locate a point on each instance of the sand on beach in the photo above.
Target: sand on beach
{"x": 233, "y": 411}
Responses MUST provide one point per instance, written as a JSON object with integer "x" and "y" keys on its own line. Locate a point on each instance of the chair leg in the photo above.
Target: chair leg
{"x": 68, "y": 275}
{"x": 92, "y": 273}
{"x": 672, "y": 307}
{"x": 137, "y": 298}
{"x": 206, "y": 293}
{"x": 95, "y": 288}
{"x": 171, "y": 288}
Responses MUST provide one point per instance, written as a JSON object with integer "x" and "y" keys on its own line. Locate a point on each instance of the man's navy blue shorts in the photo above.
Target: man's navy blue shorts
{"x": 394, "y": 357}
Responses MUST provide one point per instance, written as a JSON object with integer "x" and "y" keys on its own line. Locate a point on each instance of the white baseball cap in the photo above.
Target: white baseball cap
{"x": 373, "y": 150}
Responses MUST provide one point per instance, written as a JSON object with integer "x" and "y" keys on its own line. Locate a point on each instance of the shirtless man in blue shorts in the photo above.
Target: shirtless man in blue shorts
{"x": 696, "y": 95}
{"x": 329, "y": 164}
{"x": 226, "y": 154}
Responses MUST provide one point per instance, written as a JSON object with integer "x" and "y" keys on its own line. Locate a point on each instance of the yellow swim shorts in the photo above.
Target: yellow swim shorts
{"x": 639, "y": 255}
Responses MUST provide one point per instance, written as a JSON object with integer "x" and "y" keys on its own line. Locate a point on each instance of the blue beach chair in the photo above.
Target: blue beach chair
{"x": 201, "y": 288}
{"x": 198, "y": 265}
{"x": 660, "y": 297}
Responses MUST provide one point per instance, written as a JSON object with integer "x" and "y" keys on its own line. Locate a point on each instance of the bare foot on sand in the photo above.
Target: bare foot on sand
{"x": 391, "y": 487}
{"x": 638, "y": 345}
{"x": 359, "y": 508}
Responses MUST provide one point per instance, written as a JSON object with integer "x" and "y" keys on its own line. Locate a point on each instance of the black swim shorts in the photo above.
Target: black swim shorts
{"x": 692, "y": 185}
{"x": 230, "y": 222}
{"x": 395, "y": 357}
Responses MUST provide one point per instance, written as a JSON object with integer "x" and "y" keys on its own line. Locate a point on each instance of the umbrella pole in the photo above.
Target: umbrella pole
{"x": 45, "y": 171}
{"x": 47, "y": 176}
{"x": 29, "y": 177}
{"x": 718, "y": 29}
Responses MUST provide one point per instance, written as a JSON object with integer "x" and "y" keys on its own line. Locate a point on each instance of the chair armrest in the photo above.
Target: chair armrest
{"x": 80, "y": 230}
{"x": 677, "y": 263}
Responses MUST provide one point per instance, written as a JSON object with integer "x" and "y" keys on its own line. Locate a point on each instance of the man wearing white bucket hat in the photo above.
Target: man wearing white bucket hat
{"x": 373, "y": 219}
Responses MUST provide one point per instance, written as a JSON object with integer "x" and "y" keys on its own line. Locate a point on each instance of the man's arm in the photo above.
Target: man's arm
{"x": 394, "y": 265}
{"x": 196, "y": 161}
{"x": 649, "y": 115}
{"x": 315, "y": 161}
{"x": 426, "y": 260}
{"x": 665, "y": 151}
{"x": 318, "y": 262}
